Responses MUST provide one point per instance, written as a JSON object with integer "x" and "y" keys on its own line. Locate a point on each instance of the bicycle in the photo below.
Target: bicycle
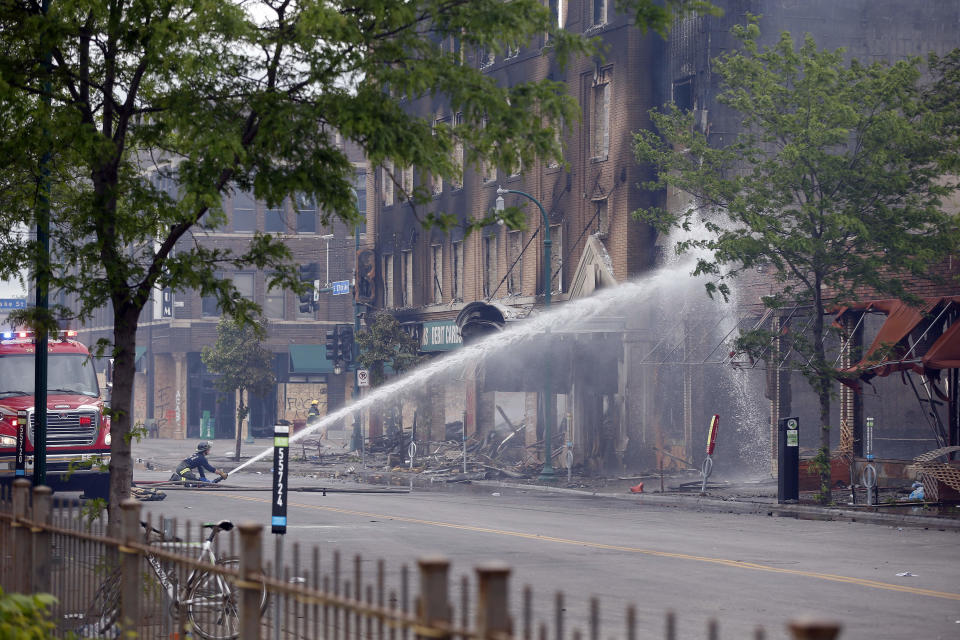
{"x": 207, "y": 598}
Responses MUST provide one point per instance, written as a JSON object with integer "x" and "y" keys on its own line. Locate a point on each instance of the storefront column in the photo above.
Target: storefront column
{"x": 471, "y": 393}
{"x": 531, "y": 406}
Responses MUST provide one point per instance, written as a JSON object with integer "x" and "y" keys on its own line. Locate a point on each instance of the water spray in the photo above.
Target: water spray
{"x": 556, "y": 319}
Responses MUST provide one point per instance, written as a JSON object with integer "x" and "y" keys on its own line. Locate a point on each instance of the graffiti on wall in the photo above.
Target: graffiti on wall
{"x": 294, "y": 399}
{"x": 164, "y": 411}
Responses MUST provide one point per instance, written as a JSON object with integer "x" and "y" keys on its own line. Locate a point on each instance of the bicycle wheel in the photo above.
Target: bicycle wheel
{"x": 212, "y": 604}
{"x": 100, "y": 618}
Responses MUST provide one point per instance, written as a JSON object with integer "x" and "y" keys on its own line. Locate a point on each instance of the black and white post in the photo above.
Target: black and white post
{"x": 278, "y": 520}
{"x": 20, "y": 468}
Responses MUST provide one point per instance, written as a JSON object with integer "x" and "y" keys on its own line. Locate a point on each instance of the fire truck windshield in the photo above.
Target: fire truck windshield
{"x": 67, "y": 373}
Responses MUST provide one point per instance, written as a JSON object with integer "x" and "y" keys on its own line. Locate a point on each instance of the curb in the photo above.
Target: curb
{"x": 747, "y": 507}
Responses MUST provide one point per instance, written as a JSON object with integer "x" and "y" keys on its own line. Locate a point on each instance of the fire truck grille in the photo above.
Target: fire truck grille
{"x": 69, "y": 428}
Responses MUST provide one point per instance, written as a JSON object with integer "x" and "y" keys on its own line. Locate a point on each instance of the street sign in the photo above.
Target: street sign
{"x": 341, "y": 287}
{"x": 363, "y": 378}
{"x": 6, "y": 304}
{"x": 281, "y": 447}
{"x": 316, "y": 290}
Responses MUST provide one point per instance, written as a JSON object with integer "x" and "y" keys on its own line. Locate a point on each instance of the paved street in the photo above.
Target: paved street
{"x": 746, "y": 570}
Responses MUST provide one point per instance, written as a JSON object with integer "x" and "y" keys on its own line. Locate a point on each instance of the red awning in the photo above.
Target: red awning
{"x": 889, "y": 350}
{"x": 945, "y": 352}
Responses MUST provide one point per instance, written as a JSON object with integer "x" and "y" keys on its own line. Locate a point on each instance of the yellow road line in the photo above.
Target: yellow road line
{"x": 874, "y": 584}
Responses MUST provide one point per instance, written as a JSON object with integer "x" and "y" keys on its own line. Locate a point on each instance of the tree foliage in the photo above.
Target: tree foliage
{"x": 384, "y": 343}
{"x": 241, "y": 364}
{"x": 26, "y": 617}
{"x": 835, "y": 183}
{"x": 136, "y": 118}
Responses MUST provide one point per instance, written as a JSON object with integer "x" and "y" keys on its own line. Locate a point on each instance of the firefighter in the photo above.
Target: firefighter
{"x": 198, "y": 461}
{"x": 314, "y": 411}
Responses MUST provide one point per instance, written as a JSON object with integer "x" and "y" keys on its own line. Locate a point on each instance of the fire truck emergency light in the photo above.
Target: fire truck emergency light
{"x": 10, "y": 335}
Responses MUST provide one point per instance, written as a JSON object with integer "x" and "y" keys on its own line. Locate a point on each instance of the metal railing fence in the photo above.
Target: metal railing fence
{"x": 181, "y": 580}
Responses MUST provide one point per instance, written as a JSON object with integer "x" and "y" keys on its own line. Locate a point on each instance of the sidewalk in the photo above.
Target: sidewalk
{"x": 756, "y": 497}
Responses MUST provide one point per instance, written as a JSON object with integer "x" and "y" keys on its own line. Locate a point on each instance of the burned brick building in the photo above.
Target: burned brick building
{"x": 637, "y": 389}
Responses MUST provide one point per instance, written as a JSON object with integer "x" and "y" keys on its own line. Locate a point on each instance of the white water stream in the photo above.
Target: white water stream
{"x": 562, "y": 317}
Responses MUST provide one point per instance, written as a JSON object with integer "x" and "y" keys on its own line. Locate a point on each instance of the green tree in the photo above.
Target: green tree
{"x": 136, "y": 118}
{"x": 383, "y": 343}
{"x": 26, "y": 617}
{"x": 241, "y": 363}
{"x": 835, "y": 183}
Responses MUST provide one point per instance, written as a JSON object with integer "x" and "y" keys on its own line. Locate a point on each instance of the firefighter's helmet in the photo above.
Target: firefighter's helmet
{"x": 204, "y": 447}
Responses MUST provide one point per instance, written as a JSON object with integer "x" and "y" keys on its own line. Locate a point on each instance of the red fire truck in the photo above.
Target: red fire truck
{"x": 78, "y": 431}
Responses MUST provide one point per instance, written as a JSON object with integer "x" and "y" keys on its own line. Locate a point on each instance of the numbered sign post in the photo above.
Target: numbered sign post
{"x": 788, "y": 460}
{"x": 711, "y": 445}
{"x": 21, "y": 463}
{"x": 281, "y": 468}
{"x": 278, "y": 520}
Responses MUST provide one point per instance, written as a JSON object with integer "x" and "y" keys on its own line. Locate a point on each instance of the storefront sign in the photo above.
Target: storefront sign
{"x": 440, "y": 336}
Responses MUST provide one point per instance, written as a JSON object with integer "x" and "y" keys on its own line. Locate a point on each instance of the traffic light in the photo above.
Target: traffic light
{"x": 333, "y": 339}
{"x": 366, "y": 287}
{"x": 345, "y": 343}
{"x": 308, "y": 273}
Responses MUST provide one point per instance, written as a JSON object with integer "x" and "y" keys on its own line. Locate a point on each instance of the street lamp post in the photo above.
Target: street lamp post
{"x": 547, "y": 473}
